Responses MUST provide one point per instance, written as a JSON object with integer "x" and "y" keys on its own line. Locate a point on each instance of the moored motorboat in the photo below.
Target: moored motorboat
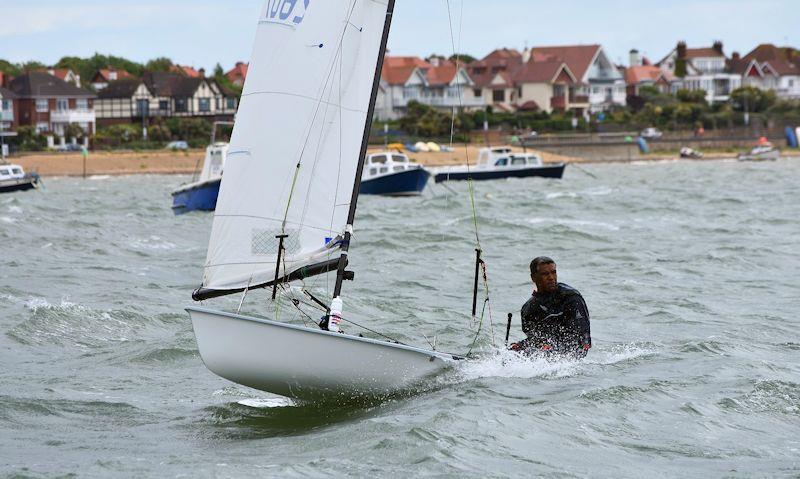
{"x": 202, "y": 193}
{"x": 501, "y": 162}
{"x": 392, "y": 174}
{"x": 14, "y": 178}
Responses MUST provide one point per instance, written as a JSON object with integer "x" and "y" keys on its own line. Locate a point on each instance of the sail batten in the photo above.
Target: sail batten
{"x": 306, "y": 102}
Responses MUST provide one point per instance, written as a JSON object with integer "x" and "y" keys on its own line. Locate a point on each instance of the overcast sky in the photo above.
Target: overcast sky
{"x": 201, "y": 33}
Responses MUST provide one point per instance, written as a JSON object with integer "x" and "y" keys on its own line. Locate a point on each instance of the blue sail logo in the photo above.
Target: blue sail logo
{"x": 287, "y": 12}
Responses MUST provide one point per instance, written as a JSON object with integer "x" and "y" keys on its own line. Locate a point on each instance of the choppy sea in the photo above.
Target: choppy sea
{"x": 690, "y": 271}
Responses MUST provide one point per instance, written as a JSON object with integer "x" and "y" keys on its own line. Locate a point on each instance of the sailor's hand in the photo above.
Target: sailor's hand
{"x": 546, "y": 347}
{"x": 515, "y": 347}
{"x": 587, "y": 347}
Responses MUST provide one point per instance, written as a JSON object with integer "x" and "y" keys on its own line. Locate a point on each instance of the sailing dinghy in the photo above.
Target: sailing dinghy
{"x": 287, "y": 203}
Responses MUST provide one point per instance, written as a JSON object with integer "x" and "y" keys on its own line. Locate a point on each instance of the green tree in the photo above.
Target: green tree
{"x": 160, "y": 64}
{"x": 748, "y": 98}
{"x": 691, "y": 96}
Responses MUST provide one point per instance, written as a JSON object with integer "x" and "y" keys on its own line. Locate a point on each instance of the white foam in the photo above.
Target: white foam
{"x": 598, "y": 224}
{"x": 620, "y": 353}
{"x": 153, "y": 243}
{"x": 6, "y": 219}
{"x": 99, "y": 177}
{"x": 14, "y": 209}
{"x": 260, "y": 403}
{"x": 507, "y": 364}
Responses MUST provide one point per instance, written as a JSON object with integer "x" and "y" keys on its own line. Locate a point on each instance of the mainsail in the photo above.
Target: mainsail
{"x": 294, "y": 153}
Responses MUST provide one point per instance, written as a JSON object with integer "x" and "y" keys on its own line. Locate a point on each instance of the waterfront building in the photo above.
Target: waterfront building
{"x": 438, "y": 83}
{"x": 50, "y": 104}
{"x": 772, "y": 68}
{"x": 549, "y": 86}
{"x": 705, "y": 69}
{"x": 164, "y": 95}
{"x": 492, "y": 76}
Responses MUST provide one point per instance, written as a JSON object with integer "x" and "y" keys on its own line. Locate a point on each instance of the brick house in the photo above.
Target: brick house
{"x": 705, "y": 68}
{"x": 50, "y": 104}
{"x": 8, "y": 117}
{"x": 771, "y": 68}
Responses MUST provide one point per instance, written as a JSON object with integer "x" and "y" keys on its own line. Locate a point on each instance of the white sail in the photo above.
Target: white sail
{"x": 305, "y": 100}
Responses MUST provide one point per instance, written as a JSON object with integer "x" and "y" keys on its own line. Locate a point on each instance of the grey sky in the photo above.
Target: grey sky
{"x": 203, "y": 32}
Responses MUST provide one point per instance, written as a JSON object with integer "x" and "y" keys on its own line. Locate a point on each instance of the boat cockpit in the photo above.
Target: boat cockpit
{"x": 378, "y": 164}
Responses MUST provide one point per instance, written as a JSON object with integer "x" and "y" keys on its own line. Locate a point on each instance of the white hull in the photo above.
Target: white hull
{"x": 309, "y": 364}
{"x": 764, "y": 156}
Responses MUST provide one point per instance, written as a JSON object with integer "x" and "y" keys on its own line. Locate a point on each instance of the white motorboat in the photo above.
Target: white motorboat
{"x": 14, "y": 178}
{"x": 391, "y": 173}
{"x": 202, "y": 192}
{"x": 500, "y": 162}
{"x": 762, "y": 152}
{"x": 690, "y": 153}
{"x": 287, "y": 204}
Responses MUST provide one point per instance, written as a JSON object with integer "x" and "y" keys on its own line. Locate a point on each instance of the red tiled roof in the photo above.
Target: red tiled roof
{"x": 397, "y": 70}
{"x": 484, "y": 71}
{"x": 239, "y": 72}
{"x": 577, "y": 57}
{"x": 442, "y": 74}
{"x": 702, "y": 53}
{"x": 782, "y": 60}
{"x": 638, "y": 74}
{"x": 185, "y": 70}
{"x": 541, "y": 72}
{"x": 105, "y": 74}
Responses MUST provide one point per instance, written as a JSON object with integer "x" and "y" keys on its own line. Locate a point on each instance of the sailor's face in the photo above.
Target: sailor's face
{"x": 546, "y": 278}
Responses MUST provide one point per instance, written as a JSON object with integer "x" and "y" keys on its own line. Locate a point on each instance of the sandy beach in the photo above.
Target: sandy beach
{"x": 171, "y": 162}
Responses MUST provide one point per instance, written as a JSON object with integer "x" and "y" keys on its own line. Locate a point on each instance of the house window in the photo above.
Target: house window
{"x": 42, "y": 127}
{"x": 231, "y": 103}
{"x": 82, "y": 104}
{"x": 791, "y": 83}
{"x": 477, "y": 92}
{"x": 181, "y": 105}
{"x": 163, "y": 105}
{"x": 7, "y": 103}
{"x": 205, "y": 104}
{"x": 499, "y": 95}
{"x": 42, "y": 105}
{"x": 62, "y": 104}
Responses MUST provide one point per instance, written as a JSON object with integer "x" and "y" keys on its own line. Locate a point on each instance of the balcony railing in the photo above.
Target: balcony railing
{"x": 558, "y": 103}
{"x": 579, "y": 99}
{"x": 72, "y": 116}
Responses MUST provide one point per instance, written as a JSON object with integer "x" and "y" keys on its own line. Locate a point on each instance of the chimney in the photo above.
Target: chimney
{"x": 682, "y": 50}
{"x": 718, "y": 47}
{"x": 526, "y": 55}
{"x": 202, "y": 72}
{"x": 635, "y": 58}
{"x": 736, "y": 57}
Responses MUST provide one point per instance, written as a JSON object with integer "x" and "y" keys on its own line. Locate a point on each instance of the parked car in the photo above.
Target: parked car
{"x": 69, "y": 147}
{"x": 651, "y": 133}
{"x": 177, "y": 145}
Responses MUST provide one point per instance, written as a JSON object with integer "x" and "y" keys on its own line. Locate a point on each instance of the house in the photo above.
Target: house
{"x": 641, "y": 73}
{"x": 771, "y": 67}
{"x": 549, "y": 85}
{"x": 8, "y": 117}
{"x": 705, "y": 69}
{"x": 164, "y": 95}
{"x": 238, "y": 74}
{"x": 50, "y": 104}
{"x": 596, "y": 75}
{"x": 440, "y": 84}
{"x": 104, "y": 76}
{"x": 492, "y": 78}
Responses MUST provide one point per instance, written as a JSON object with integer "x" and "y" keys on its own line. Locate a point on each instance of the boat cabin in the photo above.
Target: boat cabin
{"x": 11, "y": 172}
{"x": 384, "y": 163}
{"x": 504, "y": 157}
{"x": 214, "y": 162}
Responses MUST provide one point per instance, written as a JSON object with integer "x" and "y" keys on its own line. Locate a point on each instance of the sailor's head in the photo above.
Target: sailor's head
{"x": 544, "y": 275}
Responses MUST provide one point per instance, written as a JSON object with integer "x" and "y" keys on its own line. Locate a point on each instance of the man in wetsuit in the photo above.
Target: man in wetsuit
{"x": 555, "y": 319}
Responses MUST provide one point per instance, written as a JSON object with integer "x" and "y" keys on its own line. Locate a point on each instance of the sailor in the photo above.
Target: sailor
{"x": 555, "y": 319}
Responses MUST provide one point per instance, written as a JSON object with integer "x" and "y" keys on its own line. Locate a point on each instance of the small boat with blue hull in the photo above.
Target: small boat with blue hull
{"x": 14, "y": 178}
{"x": 202, "y": 193}
{"x": 392, "y": 174}
{"x": 501, "y": 162}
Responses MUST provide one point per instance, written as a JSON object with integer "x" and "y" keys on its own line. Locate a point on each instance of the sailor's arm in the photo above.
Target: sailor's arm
{"x": 581, "y": 317}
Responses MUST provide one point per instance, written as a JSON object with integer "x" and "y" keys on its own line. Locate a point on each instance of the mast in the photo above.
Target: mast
{"x": 340, "y": 273}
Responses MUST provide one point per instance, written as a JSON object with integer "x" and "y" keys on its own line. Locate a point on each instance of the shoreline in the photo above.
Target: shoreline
{"x": 157, "y": 162}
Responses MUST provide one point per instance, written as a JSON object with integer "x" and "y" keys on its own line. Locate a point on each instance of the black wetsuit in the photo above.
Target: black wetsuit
{"x": 559, "y": 320}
